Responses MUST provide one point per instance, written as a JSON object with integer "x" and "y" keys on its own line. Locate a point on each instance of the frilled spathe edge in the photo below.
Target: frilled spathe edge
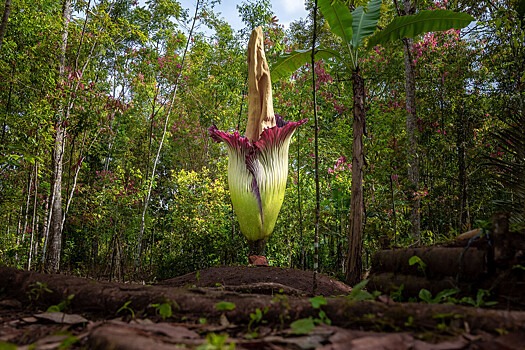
{"x": 269, "y": 137}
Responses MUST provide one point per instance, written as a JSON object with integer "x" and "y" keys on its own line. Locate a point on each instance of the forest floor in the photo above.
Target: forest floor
{"x": 236, "y": 307}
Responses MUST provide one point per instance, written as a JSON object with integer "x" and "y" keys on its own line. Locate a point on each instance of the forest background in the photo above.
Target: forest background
{"x": 107, "y": 170}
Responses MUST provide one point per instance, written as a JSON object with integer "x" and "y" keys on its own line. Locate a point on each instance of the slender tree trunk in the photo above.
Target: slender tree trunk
{"x": 28, "y": 202}
{"x": 54, "y": 242}
{"x": 316, "y": 153}
{"x": 54, "y": 246}
{"x": 461, "y": 142}
{"x": 7, "y": 107}
{"x": 354, "y": 263}
{"x": 3, "y": 24}
{"x": 299, "y": 202}
{"x": 34, "y": 219}
{"x": 412, "y": 154}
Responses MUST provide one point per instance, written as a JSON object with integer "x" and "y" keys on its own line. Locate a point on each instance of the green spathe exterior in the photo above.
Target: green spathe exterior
{"x": 257, "y": 175}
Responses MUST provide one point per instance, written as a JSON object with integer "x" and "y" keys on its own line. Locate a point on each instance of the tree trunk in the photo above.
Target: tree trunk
{"x": 355, "y": 235}
{"x": 3, "y": 24}
{"x": 412, "y": 156}
{"x": 461, "y": 143}
{"x": 34, "y": 219}
{"x": 54, "y": 246}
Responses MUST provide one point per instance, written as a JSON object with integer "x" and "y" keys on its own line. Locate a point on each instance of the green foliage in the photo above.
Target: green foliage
{"x": 397, "y": 294}
{"x": 339, "y": 18}
{"x": 289, "y": 63}
{"x": 303, "y": 325}
{"x": 318, "y": 301}
{"x": 225, "y": 306}
{"x": 518, "y": 267}
{"x": 164, "y": 310}
{"x": 306, "y": 325}
{"x": 126, "y": 308}
{"x": 216, "y": 342}
{"x": 441, "y": 297}
{"x": 364, "y": 21}
{"x": 359, "y": 294}
{"x": 37, "y": 291}
{"x": 423, "y": 22}
{"x": 421, "y": 265}
{"x": 256, "y": 318}
{"x": 480, "y": 299}
{"x": 511, "y": 167}
{"x": 63, "y": 305}
{"x": 7, "y": 346}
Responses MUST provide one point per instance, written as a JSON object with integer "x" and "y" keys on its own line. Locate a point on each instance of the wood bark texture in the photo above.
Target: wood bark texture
{"x": 355, "y": 235}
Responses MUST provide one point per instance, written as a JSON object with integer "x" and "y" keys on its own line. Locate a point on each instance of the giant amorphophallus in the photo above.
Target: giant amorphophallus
{"x": 258, "y": 161}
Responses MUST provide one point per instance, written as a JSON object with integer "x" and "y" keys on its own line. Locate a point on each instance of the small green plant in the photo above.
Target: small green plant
{"x": 7, "y": 346}
{"x": 68, "y": 342}
{"x": 284, "y": 307}
{"x": 63, "y": 305}
{"x": 303, "y": 325}
{"x": 317, "y": 302}
{"x": 224, "y": 306}
{"x": 256, "y": 318}
{"x": 445, "y": 319}
{"x": 441, "y": 297}
{"x": 397, "y": 294}
{"x": 306, "y": 325}
{"x": 518, "y": 267}
{"x": 410, "y": 321}
{"x": 359, "y": 294}
{"x": 37, "y": 290}
{"x": 479, "y": 302}
{"x": 164, "y": 310}
{"x": 216, "y": 342}
{"x": 126, "y": 308}
{"x": 198, "y": 276}
{"x": 416, "y": 260}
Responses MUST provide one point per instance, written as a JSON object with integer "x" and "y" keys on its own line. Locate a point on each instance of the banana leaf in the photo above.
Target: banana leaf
{"x": 422, "y": 22}
{"x": 338, "y": 17}
{"x": 289, "y": 63}
{"x": 364, "y": 22}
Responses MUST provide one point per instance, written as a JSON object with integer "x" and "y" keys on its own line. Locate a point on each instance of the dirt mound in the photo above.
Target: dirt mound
{"x": 262, "y": 280}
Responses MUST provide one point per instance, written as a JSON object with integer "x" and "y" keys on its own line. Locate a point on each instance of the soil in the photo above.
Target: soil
{"x": 245, "y": 307}
{"x": 261, "y": 279}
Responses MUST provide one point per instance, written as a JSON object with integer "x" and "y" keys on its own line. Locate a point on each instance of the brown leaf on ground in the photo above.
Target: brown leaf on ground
{"x": 60, "y": 317}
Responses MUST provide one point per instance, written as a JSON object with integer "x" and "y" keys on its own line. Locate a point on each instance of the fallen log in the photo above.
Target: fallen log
{"x": 409, "y": 285}
{"x": 438, "y": 262}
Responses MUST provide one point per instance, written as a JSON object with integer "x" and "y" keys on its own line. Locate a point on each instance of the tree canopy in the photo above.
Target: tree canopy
{"x": 137, "y": 82}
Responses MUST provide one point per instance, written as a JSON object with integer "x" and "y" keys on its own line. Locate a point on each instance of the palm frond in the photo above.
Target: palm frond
{"x": 510, "y": 167}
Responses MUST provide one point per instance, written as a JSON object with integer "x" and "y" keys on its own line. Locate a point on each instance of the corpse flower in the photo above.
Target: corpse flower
{"x": 258, "y": 162}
